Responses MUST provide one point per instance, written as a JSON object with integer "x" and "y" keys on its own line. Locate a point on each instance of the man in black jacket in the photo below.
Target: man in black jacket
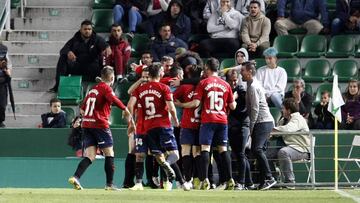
{"x": 82, "y": 55}
{"x": 4, "y": 81}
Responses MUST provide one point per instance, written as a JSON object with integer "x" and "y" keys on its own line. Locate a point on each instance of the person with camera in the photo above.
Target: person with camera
{"x": 5, "y": 79}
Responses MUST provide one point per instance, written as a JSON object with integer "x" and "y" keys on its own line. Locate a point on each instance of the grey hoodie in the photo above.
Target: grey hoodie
{"x": 225, "y": 26}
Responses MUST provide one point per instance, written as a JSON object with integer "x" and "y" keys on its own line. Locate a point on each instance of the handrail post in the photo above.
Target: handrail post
{"x": 22, "y": 8}
{"x": 7, "y": 15}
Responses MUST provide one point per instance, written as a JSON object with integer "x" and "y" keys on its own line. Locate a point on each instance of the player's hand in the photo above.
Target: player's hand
{"x": 8, "y": 71}
{"x": 175, "y": 82}
{"x": 176, "y": 123}
{"x": 71, "y": 56}
{"x": 178, "y": 104}
{"x": 130, "y": 130}
{"x": 236, "y": 95}
{"x": 82, "y": 112}
{"x": 107, "y": 52}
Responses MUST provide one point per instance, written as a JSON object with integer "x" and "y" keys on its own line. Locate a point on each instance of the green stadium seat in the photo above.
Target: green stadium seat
{"x": 357, "y": 52}
{"x": 15, "y": 4}
{"x": 227, "y": 63}
{"x": 317, "y": 70}
{"x": 103, "y": 4}
{"x": 260, "y": 62}
{"x": 320, "y": 89}
{"x": 116, "y": 120}
{"x": 276, "y": 114}
{"x": 346, "y": 69}
{"x": 292, "y": 68}
{"x": 331, "y": 4}
{"x": 70, "y": 114}
{"x": 308, "y": 88}
{"x": 287, "y": 46}
{"x": 70, "y": 90}
{"x": 139, "y": 44}
{"x": 341, "y": 46}
{"x": 312, "y": 46}
{"x": 102, "y": 20}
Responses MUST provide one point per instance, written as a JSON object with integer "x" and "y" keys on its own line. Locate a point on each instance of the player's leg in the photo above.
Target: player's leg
{"x": 205, "y": 139}
{"x": 140, "y": 152}
{"x": 130, "y": 164}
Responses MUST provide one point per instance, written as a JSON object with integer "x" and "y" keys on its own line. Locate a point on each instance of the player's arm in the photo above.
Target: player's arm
{"x": 232, "y": 105}
{"x": 192, "y": 104}
{"x": 134, "y": 86}
{"x": 172, "y": 111}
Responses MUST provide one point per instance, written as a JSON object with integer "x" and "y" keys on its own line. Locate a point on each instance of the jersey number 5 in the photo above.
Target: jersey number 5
{"x": 149, "y": 105}
{"x": 216, "y": 100}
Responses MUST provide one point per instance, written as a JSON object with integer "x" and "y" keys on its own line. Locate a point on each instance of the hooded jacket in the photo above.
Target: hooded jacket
{"x": 225, "y": 25}
{"x": 256, "y": 29}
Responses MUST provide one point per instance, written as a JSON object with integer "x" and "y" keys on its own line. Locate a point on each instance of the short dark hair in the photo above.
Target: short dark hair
{"x": 115, "y": 25}
{"x": 230, "y": 73}
{"x": 174, "y": 71}
{"x": 86, "y": 22}
{"x": 325, "y": 92}
{"x": 147, "y": 52}
{"x": 106, "y": 72}
{"x": 164, "y": 25}
{"x": 54, "y": 100}
{"x": 154, "y": 70}
{"x": 213, "y": 64}
{"x": 255, "y": 2}
{"x": 290, "y": 104}
{"x": 250, "y": 65}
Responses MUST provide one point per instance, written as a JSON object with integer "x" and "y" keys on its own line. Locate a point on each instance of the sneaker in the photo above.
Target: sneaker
{"x": 268, "y": 184}
{"x": 290, "y": 185}
{"x": 230, "y": 184}
{"x": 130, "y": 35}
{"x": 167, "y": 185}
{"x": 75, "y": 182}
{"x": 170, "y": 173}
{"x": 112, "y": 187}
{"x": 205, "y": 185}
{"x": 196, "y": 183}
{"x": 156, "y": 181}
{"x": 187, "y": 186}
{"x": 239, "y": 186}
{"x": 212, "y": 186}
{"x": 137, "y": 186}
{"x": 222, "y": 186}
{"x": 250, "y": 187}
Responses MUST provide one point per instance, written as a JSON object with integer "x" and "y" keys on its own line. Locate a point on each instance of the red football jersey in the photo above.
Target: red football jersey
{"x": 191, "y": 116}
{"x": 152, "y": 97}
{"x": 214, "y": 94}
{"x": 97, "y": 106}
{"x": 140, "y": 130}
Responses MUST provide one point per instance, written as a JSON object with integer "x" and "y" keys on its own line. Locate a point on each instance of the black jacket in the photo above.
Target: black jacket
{"x": 58, "y": 120}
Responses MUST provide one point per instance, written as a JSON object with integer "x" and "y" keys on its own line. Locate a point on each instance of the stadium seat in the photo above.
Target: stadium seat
{"x": 308, "y": 88}
{"x": 331, "y": 4}
{"x": 227, "y": 63}
{"x": 139, "y": 44}
{"x": 70, "y": 90}
{"x": 345, "y": 69}
{"x": 341, "y": 46}
{"x": 320, "y": 89}
{"x": 260, "y": 62}
{"x": 102, "y": 19}
{"x": 317, "y": 70}
{"x": 276, "y": 114}
{"x": 312, "y": 46}
{"x": 103, "y": 4}
{"x": 357, "y": 52}
{"x": 15, "y": 3}
{"x": 116, "y": 120}
{"x": 287, "y": 46}
{"x": 292, "y": 68}
{"x": 70, "y": 114}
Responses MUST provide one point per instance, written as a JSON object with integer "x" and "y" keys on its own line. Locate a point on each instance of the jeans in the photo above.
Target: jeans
{"x": 337, "y": 26}
{"x": 135, "y": 17}
{"x": 277, "y": 99}
{"x": 259, "y": 137}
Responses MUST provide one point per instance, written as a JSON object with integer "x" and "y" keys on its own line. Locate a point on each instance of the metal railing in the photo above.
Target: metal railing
{"x": 5, "y": 15}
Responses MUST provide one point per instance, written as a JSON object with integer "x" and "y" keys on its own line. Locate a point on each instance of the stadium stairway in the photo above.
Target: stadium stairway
{"x": 34, "y": 44}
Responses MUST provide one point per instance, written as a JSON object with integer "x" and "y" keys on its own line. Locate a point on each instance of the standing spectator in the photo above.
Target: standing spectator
{"x": 81, "y": 55}
{"x": 325, "y": 119}
{"x": 5, "y": 80}
{"x": 224, "y": 27}
{"x": 347, "y": 16}
{"x": 261, "y": 123}
{"x": 56, "y": 118}
{"x": 134, "y": 9}
{"x": 303, "y": 14}
{"x": 120, "y": 51}
{"x": 243, "y": 6}
{"x": 273, "y": 78}
{"x": 255, "y": 31}
{"x": 351, "y": 109}
{"x": 293, "y": 147}
{"x": 174, "y": 16}
{"x": 166, "y": 44}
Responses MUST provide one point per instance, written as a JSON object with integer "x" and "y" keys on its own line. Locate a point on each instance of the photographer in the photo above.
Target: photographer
{"x": 4, "y": 82}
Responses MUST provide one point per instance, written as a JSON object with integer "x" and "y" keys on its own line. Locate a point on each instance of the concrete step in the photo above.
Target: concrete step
{"x": 74, "y": 12}
{"x": 47, "y": 23}
{"x": 52, "y": 47}
{"x": 28, "y": 108}
{"x": 30, "y": 59}
{"x": 43, "y": 35}
{"x": 36, "y": 72}
{"x": 22, "y": 121}
{"x": 31, "y": 84}
{"x": 58, "y": 3}
{"x": 25, "y": 96}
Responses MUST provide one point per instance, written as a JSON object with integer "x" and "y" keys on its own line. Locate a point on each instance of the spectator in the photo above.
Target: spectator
{"x": 211, "y": 6}
{"x": 134, "y": 9}
{"x": 302, "y": 98}
{"x": 292, "y": 147}
{"x": 255, "y": 31}
{"x": 303, "y": 14}
{"x": 273, "y": 78}
{"x": 157, "y": 6}
{"x": 56, "y": 118}
{"x": 224, "y": 26}
{"x": 325, "y": 119}
{"x": 347, "y": 16}
{"x": 120, "y": 51}
{"x": 241, "y": 56}
{"x": 81, "y": 55}
{"x": 194, "y": 9}
{"x": 166, "y": 44}
{"x": 351, "y": 109}
{"x": 145, "y": 61}
{"x": 174, "y": 16}
{"x": 5, "y": 80}
{"x": 243, "y": 6}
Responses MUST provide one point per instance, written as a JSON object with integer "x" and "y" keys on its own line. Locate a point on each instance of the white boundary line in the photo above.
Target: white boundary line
{"x": 346, "y": 194}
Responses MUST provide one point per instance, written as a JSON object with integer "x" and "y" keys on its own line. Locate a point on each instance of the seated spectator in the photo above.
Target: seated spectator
{"x": 134, "y": 10}
{"x": 56, "y": 118}
{"x": 224, "y": 26}
{"x": 325, "y": 119}
{"x": 255, "y": 31}
{"x": 273, "y": 78}
{"x": 194, "y": 9}
{"x": 166, "y": 44}
{"x": 157, "y": 6}
{"x": 120, "y": 51}
{"x": 81, "y": 55}
{"x": 302, "y": 98}
{"x": 303, "y": 14}
{"x": 347, "y": 16}
{"x": 243, "y": 6}
{"x": 350, "y": 112}
{"x": 290, "y": 147}
{"x": 211, "y": 6}
{"x": 174, "y": 16}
